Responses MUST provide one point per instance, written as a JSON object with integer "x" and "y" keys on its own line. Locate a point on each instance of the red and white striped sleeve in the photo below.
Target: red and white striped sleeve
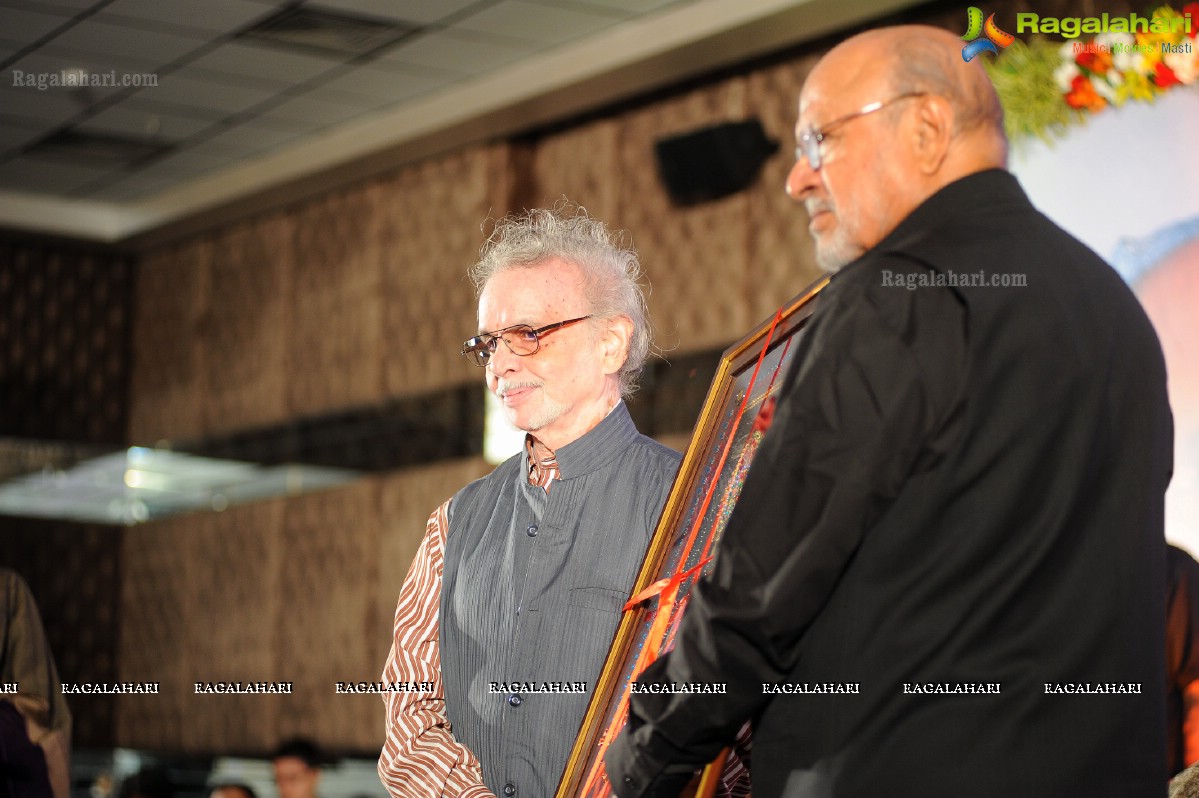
{"x": 420, "y": 757}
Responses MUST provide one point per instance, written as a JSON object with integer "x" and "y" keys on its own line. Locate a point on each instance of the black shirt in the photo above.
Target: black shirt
{"x": 958, "y": 509}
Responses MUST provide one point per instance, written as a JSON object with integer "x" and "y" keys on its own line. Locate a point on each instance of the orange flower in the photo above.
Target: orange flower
{"x": 1096, "y": 61}
{"x": 1083, "y": 95}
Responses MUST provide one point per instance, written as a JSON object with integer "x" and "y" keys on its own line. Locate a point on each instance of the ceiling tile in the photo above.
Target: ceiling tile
{"x": 208, "y": 115}
{"x": 308, "y": 113}
{"x": 145, "y": 124}
{"x": 30, "y": 26}
{"x": 264, "y": 63}
{"x": 133, "y": 187}
{"x": 381, "y": 84}
{"x": 189, "y": 163}
{"x": 48, "y": 108}
{"x": 630, "y": 7}
{"x": 462, "y": 51}
{"x": 221, "y": 151}
{"x": 13, "y": 136}
{"x": 62, "y": 7}
{"x": 9, "y": 47}
{"x": 350, "y": 104}
{"x": 253, "y": 136}
{"x": 42, "y": 176}
{"x": 9, "y": 120}
{"x": 421, "y": 12}
{"x": 131, "y": 45}
{"x": 217, "y": 95}
{"x": 216, "y": 16}
{"x": 548, "y": 25}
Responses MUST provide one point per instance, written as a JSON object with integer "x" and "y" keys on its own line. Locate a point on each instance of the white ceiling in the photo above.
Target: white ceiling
{"x": 239, "y": 119}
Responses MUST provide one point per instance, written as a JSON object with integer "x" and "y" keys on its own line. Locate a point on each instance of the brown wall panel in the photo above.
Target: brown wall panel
{"x": 327, "y": 627}
{"x": 780, "y": 257}
{"x": 246, "y": 332}
{"x": 582, "y": 165}
{"x": 696, "y": 257}
{"x": 336, "y": 338}
{"x": 200, "y": 604}
{"x": 157, "y": 632}
{"x": 233, "y": 607}
{"x": 170, "y": 378}
{"x": 64, "y": 342}
{"x": 433, "y": 214}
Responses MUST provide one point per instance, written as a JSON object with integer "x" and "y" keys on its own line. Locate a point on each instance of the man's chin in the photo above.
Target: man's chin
{"x": 532, "y": 422}
{"x": 830, "y": 264}
{"x": 835, "y": 256}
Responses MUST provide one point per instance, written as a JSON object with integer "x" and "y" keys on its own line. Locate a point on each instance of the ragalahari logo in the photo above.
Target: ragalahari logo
{"x": 993, "y": 36}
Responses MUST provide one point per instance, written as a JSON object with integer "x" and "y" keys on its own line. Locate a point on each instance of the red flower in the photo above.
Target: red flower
{"x": 1083, "y": 95}
{"x": 1163, "y": 76}
{"x": 1191, "y": 10}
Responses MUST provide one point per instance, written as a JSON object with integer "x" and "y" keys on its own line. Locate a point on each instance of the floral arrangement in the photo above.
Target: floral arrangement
{"x": 1048, "y": 86}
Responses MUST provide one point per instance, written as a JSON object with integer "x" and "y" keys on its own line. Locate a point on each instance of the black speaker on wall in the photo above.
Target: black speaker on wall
{"x": 713, "y": 162}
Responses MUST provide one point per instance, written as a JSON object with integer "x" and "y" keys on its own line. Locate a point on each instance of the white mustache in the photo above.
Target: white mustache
{"x": 815, "y": 205}
{"x": 503, "y": 387}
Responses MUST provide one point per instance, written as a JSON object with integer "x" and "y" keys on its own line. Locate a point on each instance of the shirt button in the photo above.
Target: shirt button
{"x": 509, "y": 789}
{"x": 514, "y": 700}
{"x": 532, "y": 530}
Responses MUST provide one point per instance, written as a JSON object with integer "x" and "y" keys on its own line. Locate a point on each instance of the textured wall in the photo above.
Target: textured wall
{"x": 300, "y": 591}
{"x": 170, "y": 380}
{"x": 64, "y": 342}
{"x": 341, "y": 302}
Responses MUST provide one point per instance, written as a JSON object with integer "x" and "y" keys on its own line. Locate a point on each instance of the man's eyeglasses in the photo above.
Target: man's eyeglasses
{"x": 521, "y": 339}
{"x": 810, "y": 137}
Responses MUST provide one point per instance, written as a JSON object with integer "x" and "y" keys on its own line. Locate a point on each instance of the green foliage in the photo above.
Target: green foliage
{"x": 1033, "y": 105}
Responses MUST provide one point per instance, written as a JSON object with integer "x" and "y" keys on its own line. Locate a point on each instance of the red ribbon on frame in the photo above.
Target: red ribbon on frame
{"x": 595, "y": 785}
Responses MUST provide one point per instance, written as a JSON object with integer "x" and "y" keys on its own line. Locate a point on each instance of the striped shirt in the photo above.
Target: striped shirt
{"x": 420, "y": 756}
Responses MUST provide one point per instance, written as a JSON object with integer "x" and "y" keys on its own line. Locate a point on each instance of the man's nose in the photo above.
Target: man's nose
{"x": 800, "y": 180}
{"x": 502, "y": 360}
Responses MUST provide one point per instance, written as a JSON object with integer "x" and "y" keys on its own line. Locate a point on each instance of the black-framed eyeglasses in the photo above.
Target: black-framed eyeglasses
{"x": 808, "y": 145}
{"x": 521, "y": 339}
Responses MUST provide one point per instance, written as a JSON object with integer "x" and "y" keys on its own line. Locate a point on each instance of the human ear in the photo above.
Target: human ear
{"x": 933, "y": 133}
{"x": 614, "y": 343}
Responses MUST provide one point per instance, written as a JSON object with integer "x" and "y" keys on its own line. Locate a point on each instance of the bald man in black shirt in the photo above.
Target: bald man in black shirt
{"x": 958, "y": 508}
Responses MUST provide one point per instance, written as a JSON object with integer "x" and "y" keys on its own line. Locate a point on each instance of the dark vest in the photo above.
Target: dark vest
{"x": 532, "y": 593}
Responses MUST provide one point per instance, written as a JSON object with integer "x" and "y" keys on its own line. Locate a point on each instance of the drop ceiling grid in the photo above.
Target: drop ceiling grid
{"x": 225, "y": 99}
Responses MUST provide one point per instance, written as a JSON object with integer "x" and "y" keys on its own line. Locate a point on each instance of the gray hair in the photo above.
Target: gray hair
{"x": 611, "y": 270}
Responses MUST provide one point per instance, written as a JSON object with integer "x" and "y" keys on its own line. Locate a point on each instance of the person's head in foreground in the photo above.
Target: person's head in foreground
{"x": 563, "y": 329}
{"x": 886, "y": 119}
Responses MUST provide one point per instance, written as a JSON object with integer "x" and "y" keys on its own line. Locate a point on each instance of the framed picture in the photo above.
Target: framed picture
{"x": 734, "y": 417}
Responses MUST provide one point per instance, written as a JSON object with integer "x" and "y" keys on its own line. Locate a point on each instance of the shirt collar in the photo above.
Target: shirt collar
{"x": 596, "y": 448}
{"x": 542, "y": 463}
